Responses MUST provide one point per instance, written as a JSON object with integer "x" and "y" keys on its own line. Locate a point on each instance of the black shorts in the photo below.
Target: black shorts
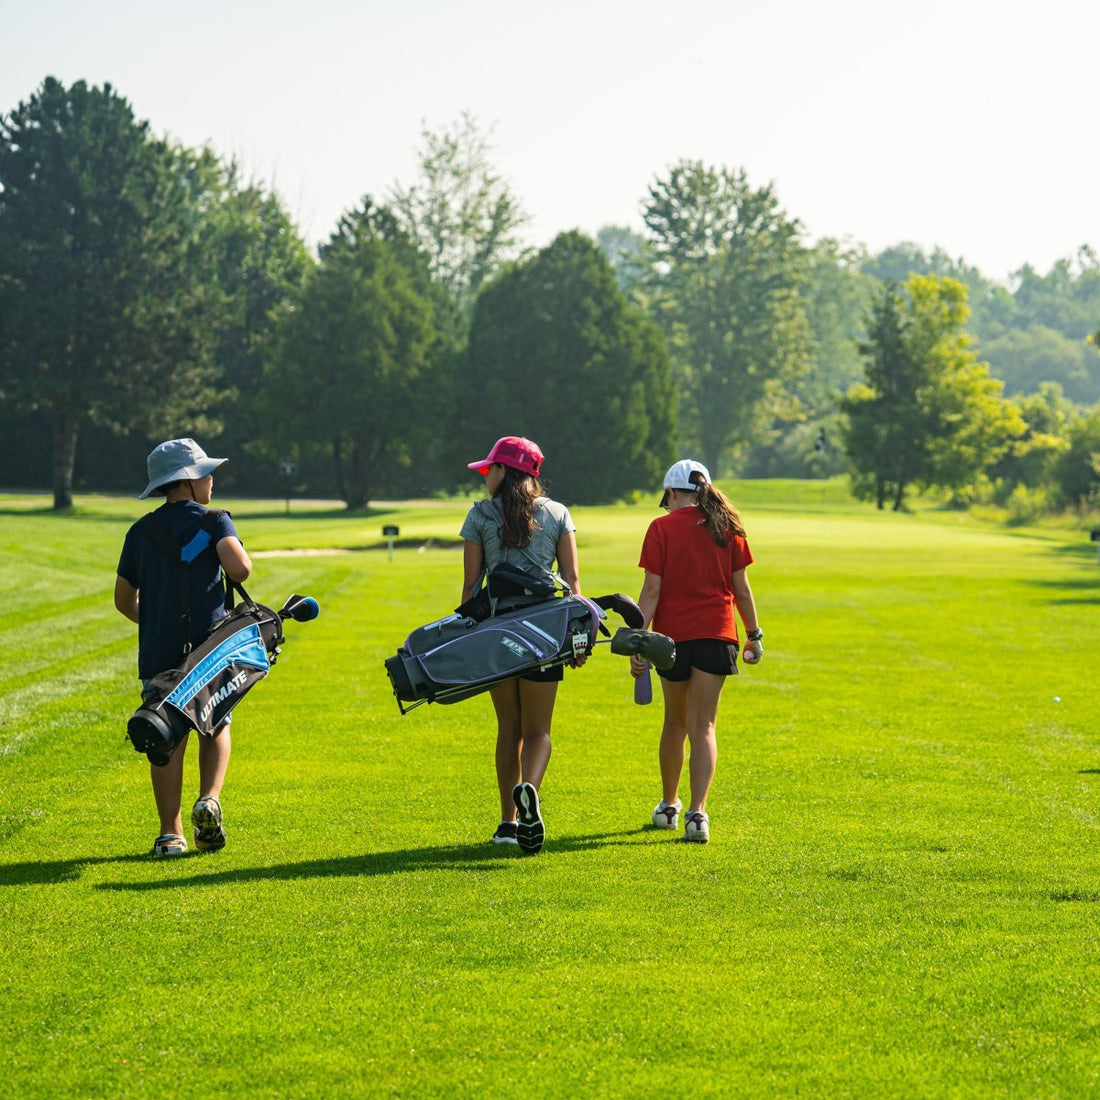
{"x": 549, "y": 676}
{"x": 707, "y": 655}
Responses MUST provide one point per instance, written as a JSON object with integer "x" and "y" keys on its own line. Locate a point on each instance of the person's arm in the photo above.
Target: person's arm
{"x": 473, "y": 561}
{"x": 647, "y": 601}
{"x": 567, "y": 562}
{"x": 746, "y": 607}
{"x": 234, "y": 558}
{"x": 126, "y": 599}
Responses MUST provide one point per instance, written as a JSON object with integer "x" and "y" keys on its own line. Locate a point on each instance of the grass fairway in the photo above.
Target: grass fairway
{"x": 901, "y": 896}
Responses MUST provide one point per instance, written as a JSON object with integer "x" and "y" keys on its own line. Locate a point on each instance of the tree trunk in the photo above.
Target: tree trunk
{"x": 338, "y": 470}
{"x": 65, "y": 427}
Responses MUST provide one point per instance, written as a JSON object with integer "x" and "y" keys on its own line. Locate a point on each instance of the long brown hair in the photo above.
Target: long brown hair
{"x": 516, "y": 496}
{"x": 719, "y": 515}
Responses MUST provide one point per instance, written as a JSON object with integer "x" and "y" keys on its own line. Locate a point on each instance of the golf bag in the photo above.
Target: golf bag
{"x": 214, "y": 677}
{"x": 459, "y": 656}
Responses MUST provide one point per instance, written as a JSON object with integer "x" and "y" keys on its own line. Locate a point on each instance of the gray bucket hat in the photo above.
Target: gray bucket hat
{"x": 178, "y": 460}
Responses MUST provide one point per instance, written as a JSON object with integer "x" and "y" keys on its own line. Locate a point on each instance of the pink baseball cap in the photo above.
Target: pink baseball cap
{"x": 512, "y": 450}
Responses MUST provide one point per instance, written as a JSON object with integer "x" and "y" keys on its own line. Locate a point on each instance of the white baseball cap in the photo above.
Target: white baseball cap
{"x": 679, "y": 477}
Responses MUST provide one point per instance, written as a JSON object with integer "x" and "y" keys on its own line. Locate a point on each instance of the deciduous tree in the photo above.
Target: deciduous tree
{"x": 728, "y": 265}
{"x": 557, "y": 353}
{"x": 352, "y": 367}
{"x": 460, "y": 211}
{"x": 109, "y": 300}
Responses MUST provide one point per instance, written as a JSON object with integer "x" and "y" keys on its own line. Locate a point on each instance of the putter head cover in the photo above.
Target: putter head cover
{"x": 658, "y": 649}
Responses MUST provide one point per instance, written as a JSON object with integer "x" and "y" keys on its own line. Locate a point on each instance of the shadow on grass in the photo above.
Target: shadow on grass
{"x": 459, "y": 857}
{"x": 42, "y": 872}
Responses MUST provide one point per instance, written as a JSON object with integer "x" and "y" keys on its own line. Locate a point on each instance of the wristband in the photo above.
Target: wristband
{"x": 756, "y": 635}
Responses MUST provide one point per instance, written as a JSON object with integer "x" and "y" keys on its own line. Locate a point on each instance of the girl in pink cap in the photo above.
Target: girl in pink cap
{"x": 520, "y": 526}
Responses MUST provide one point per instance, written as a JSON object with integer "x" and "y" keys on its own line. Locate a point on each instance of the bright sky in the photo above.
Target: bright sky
{"x": 970, "y": 124}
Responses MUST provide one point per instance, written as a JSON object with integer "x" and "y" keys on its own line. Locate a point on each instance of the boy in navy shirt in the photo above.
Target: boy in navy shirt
{"x": 148, "y": 591}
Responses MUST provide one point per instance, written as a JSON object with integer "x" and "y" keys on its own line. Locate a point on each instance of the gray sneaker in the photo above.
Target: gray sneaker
{"x": 696, "y": 827}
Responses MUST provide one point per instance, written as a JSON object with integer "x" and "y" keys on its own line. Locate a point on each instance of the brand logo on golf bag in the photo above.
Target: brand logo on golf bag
{"x": 514, "y": 646}
{"x": 222, "y": 694}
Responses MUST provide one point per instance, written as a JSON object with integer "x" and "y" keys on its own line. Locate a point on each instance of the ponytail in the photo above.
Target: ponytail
{"x": 516, "y": 496}
{"x": 720, "y": 517}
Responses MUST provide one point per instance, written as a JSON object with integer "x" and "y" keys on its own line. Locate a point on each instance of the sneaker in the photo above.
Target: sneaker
{"x": 206, "y": 816}
{"x": 530, "y": 831}
{"x": 696, "y": 826}
{"x": 506, "y": 833}
{"x": 169, "y": 846}
{"x": 666, "y": 815}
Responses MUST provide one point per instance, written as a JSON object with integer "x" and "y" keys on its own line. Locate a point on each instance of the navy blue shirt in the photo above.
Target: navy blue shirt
{"x": 161, "y": 632}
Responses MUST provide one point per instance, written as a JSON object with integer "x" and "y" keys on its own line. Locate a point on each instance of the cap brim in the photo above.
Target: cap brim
{"x": 482, "y": 467}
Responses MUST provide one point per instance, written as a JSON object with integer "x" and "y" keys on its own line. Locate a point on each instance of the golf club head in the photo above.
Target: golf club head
{"x": 300, "y": 608}
{"x": 658, "y": 649}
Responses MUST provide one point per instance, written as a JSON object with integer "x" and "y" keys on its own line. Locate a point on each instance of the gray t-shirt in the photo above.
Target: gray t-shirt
{"x": 484, "y": 525}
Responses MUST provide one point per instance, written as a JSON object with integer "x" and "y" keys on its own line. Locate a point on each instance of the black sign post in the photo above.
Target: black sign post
{"x": 289, "y": 469}
{"x": 391, "y": 531}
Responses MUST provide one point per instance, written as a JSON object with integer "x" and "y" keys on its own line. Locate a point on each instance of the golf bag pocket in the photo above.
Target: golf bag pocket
{"x": 221, "y": 675}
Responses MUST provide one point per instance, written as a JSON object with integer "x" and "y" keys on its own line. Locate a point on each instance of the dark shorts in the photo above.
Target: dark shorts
{"x": 550, "y": 676}
{"x": 707, "y": 655}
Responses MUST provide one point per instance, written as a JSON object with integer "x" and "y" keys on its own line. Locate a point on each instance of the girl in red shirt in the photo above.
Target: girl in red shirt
{"x": 694, "y": 560}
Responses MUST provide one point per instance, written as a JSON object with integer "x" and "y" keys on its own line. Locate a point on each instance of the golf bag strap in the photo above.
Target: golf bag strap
{"x": 498, "y": 517}
{"x": 232, "y": 587}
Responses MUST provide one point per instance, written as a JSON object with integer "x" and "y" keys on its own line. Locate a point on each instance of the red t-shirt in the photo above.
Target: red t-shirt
{"x": 696, "y": 576}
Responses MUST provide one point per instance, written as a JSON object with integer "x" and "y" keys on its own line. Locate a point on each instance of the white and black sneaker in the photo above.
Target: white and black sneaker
{"x": 506, "y": 833}
{"x": 530, "y": 831}
{"x": 696, "y": 827}
{"x": 666, "y": 815}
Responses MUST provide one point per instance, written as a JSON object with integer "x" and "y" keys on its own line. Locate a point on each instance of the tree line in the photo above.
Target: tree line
{"x": 148, "y": 290}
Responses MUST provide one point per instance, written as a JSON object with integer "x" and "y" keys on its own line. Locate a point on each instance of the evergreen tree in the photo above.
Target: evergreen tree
{"x": 928, "y": 412}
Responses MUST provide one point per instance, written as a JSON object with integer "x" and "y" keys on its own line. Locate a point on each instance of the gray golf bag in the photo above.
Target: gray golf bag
{"x": 461, "y": 655}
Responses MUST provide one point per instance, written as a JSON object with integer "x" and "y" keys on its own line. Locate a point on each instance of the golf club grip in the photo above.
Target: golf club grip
{"x": 643, "y": 688}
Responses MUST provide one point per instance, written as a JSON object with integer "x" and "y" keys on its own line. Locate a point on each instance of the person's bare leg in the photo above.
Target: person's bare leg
{"x": 536, "y": 712}
{"x": 673, "y": 735}
{"x": 168, "y": 790}
{"x": 214, "y": 755}
{"x": 505, "y": 698}
{"x": 702, "y": 715}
